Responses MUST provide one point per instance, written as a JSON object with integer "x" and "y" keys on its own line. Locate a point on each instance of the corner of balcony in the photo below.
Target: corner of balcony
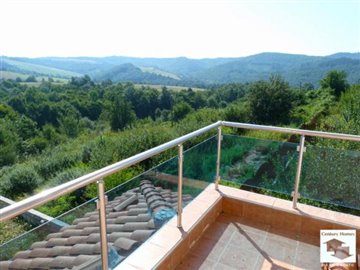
{"x": 228, "y": 228}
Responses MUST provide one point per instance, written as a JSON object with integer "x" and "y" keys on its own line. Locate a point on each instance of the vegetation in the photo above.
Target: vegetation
{"x": 52, "y": 133}
{"x": 335, "y": 80}
{"x": 299, "y": 70}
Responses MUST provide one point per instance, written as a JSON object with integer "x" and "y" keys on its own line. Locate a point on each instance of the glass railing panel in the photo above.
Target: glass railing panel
{"x": 25, "y": 241}
{"x": 251, "y": 163}
{"x": 331, "y": 176}
{"x": 199, "y": 169}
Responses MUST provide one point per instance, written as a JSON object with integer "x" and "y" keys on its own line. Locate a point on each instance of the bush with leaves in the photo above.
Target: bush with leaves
{"x": 21, "y": 180}
{"x": 55, "y": 162}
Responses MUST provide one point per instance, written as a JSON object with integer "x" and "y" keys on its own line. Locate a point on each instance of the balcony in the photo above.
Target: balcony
{"x": 230, "y": 202}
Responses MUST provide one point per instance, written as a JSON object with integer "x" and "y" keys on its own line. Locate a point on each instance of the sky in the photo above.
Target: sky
{"x": 173, "y": 28}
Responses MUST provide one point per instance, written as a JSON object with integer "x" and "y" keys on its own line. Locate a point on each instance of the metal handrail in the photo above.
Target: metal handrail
{"x": 53, "y": 193}
{"x": 312, "y": 133}
{"x": 303, "y": 133}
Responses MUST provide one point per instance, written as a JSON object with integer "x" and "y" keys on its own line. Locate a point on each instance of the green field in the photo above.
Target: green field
{"x": 9, "y": 75}
{"x": 33, "y": 68}
{"x": 169, "y": 87}
{"x": 160, "y": 72}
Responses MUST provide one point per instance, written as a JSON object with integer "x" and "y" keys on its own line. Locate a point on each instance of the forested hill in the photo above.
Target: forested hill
{"x": 296, "y": 69}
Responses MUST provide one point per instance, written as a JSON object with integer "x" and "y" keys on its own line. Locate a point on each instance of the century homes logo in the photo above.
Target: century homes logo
{"x": 337, "y": 246}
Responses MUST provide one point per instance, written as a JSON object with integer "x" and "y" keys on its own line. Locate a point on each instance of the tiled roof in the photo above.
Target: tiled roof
{"x": 131, "y": 219}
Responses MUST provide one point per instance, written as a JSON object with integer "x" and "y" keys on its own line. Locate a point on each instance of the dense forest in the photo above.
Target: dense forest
{"x": 51, "y": 133}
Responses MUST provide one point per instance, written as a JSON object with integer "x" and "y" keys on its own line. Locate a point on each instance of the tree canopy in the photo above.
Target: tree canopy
{"x": 271, "y": 101}
{"x": 335, "y": 80}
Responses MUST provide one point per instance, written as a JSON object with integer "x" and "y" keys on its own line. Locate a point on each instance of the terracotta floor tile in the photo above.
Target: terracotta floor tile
{"x": 248, "y": 240}
{"x": 221, "y": 232}
{"x": 307, "y": 256}
{"x": 280, "y": 248}
{"x": 208, "y": 248}
{"x": 252, "y": 226}
{"x": 233, "y": 242}
{"x": 239, "y": 258}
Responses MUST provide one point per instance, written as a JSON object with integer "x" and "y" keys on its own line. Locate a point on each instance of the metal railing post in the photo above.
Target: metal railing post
{"x": 102, "y": 222}
{"x": 180, "y": 183}
{"x": 298, "y": 171}
{"x": 217, "y": 178}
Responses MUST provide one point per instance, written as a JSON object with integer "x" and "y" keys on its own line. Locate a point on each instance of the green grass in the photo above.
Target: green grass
{"x": 6, "y": 75}
{"x": 169, "y": 87}
{"x": 53, "y": 72}
{"x": 12, "y": 228}
{"x": 10, "y": 75}
{"x": 156, "y": 71}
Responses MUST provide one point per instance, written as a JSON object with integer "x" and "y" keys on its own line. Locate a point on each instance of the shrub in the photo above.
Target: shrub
{"x": 51, "y": 164}
{"x": 35, "y": 145}
{"x": 21, "y": 180}
{"x": 66, "y": 176}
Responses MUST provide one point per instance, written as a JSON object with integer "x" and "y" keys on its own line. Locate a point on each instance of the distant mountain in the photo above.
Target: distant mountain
{"x": 355, "y": 56}
{"x": 184, "y": 71}
{"x": 32, "y": 68}
{"x": 130, "y": 73}
{"x": 295, "y": 69}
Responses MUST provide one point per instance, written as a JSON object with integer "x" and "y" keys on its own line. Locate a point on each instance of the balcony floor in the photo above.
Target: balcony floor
{"x": 233, "y": 243}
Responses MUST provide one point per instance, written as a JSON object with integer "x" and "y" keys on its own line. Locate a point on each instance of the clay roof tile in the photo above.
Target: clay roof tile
{"x": 22, "y": 254}
{"x": 61, "y": 262}
{"x": 70, "y": 232}
{"x": 137, "y": 211}
{"x": 129, "y": 222}
{"x": 19, "y": 264}
{"x": 141, "y": 235}
{"x": 83, "y": 249}
{"x": 40, "y": 263}
{"x": 54, "y": 235}
{"x": 39, "y": 252}
{"x": 59, "y": 251}
{"x": 123, "y": 243}
{"x": 40, "y": 244}
{"x": 76, "y": 240}
{"x": 82, "y": 225}
{"x": 4, "y": 265}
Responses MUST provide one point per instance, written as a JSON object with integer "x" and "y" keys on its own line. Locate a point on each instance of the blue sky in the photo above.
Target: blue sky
{"x": 171, "y": 28}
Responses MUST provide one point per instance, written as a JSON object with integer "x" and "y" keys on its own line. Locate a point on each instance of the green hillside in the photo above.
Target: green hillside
{"x": 296, "y": 69}
{"x": 34, "y": 69}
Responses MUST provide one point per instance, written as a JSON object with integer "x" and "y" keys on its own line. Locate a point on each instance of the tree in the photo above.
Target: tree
{"x": 69, "y": 125}
{"x": 31, "y": 79}
{"x": 335, "y": 80}
{"x": 166, "y": 99}
{"x": 26, "y": 128}
{"x": 237, "y": 113}
{"x": 121, "y": 113}
{"x": 308, "y": 86}
{"x": 271, "y": 101}
{"x": 8, "y": 143}
{"x": 179, "y": 111}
